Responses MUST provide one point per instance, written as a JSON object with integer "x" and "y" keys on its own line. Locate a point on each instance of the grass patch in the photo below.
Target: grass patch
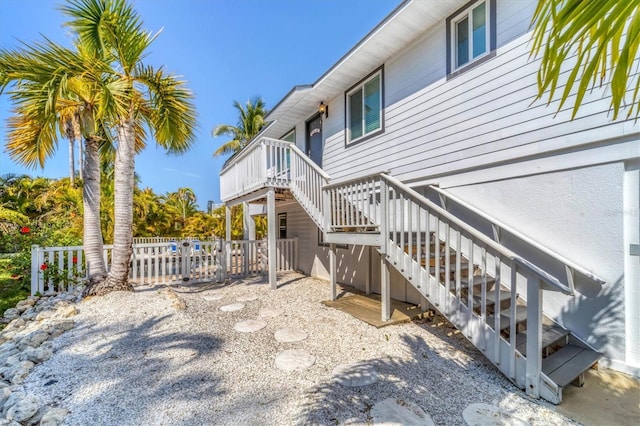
{"x": 10, "y": 291}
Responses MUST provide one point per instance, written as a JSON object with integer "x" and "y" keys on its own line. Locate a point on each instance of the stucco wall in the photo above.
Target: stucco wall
{"x": 579, "y": 214}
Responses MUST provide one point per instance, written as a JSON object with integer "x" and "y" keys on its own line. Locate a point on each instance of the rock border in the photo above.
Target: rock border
{"x": 25, "y": 342}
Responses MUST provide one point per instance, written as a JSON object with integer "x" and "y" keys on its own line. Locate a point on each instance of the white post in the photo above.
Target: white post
{"x": 534, "y": 335}
{"x": 271, "y": 237}
{"x": 367, "y": 284}
{"x": 35, "y": 271}
{"x": 249, "y": 225}
{"x": 332, "y": 271}
{"x": 227, "y": 234}
{"x": 385, "y": 289}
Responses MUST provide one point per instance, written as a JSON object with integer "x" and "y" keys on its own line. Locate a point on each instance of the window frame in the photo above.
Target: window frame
{"x": 490, "y": 37}
{"x": 360, "y": 86}
{"x": 290, "y": 132}
{"x": 282, "y": 227}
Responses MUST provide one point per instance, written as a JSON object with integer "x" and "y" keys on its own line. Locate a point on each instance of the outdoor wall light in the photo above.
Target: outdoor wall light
{"x": 323, "y": 109}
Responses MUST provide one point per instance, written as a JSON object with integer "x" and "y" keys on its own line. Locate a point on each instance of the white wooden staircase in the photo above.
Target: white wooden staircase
{"x": 488, "y": 292}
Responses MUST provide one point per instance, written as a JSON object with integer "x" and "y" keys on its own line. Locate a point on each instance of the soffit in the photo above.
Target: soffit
{"x": 406, "y": 23}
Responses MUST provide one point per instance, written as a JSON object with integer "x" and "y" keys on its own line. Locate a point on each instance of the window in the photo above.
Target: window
{"x": 282, "y": 226}
{"x": 364, "y": 103}
{"x": 470, "y": 36}
{"x": 290, "y": 136}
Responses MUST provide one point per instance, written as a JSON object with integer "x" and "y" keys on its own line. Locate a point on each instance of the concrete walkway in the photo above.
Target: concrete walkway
{"x": 607, "y": 398}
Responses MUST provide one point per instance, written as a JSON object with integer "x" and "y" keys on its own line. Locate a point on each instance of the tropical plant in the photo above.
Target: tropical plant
{"x": 250, "y": 121}
{"x": 139, "y": 95}
{"x": 602, "y": 38}
{"x": 49, "y": 84}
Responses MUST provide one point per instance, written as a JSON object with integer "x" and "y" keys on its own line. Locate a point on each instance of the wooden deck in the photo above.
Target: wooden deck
{"x": 368, "y": 308}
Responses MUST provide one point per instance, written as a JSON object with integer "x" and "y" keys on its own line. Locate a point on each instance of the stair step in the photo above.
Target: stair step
{"x": 550, "y": 335}
{"x": 569, "y": 362}
{"x": 490, "y": 298}
{"x": 505, "y": 317}
{"x": 452, "y": 260}
{"x": 477, "y": 280}
{"x": 452, "y": 268}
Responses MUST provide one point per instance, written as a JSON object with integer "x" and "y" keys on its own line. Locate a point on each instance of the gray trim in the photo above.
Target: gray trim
{"x": 492, "y": 38}
{"x": 380, "y": 131}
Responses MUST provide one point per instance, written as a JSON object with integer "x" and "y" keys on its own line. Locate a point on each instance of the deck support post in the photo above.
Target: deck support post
{"x": 534, "y": 336}
{"x": 249, "y": 234}
{"x": 227, "y": 235}
{"x": 227, "y": 217}
{"x": 385, "y": 289}
{"x": 367, "y": 283}
{"x": 333, "y": 271}
{"x": 271, "y": 237}
{"x": 249, "y": 225}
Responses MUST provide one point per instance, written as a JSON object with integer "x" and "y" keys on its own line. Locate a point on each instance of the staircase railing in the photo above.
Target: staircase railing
{"x": 307, "y": 180}
{"x": 440, "y": 255}
{"x": 353, "y": 204}
{"x": 499, "y": 227}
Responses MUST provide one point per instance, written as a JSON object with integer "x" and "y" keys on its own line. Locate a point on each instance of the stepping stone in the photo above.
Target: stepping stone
{"x": 489, "y": 415}
{"x": 394, "y": 411}
{"x": 355, "y": 374}
{"x": 232, "y": 307}
{"x": 294, "y": 359}
{"x": 289, "y": 335}
{"x": 249, "y": 326}
{"x": 270, "y": 312}
{"x": 248, "y": 298}
{"x": 213, "y": 297}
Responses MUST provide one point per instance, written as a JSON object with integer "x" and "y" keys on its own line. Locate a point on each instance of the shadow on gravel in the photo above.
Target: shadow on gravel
{"x": 442, "y": 382}
{"x": 131, "y": 373}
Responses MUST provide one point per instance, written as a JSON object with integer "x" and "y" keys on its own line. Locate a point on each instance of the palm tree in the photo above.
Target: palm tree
{"x": 250, "y": 121}
{"x": 138, "y": 95}
{"x": 48, "y": 84}
{"x": 604, "y": 37}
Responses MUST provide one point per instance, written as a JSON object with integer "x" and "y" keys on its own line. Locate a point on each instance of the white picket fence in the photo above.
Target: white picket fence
{"x": 56, "y": 269}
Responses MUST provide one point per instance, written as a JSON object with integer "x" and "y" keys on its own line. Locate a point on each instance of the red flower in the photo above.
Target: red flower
{"x": 74, "y": 260}
{"x": 25, "y": 230}
{"x": 43, "y": 267}
{"x": 14, "y": 276}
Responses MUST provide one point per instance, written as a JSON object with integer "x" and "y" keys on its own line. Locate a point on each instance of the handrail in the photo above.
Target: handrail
{"x": 306, "y": 159}
{"x": 502, "y": 226}
{"x": 478, "y": 235}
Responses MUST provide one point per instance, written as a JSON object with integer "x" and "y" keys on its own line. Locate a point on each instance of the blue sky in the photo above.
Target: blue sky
{"x": 226, "y": 49}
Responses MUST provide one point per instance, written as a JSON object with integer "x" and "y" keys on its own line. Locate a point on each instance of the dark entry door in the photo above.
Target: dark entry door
{"x": 314, "y": 139}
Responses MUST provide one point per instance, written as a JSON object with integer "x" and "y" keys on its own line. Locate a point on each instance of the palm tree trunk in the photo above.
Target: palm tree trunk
{"x": 123, "y": 200}
{"x": 72, "y": 161}
{"x": 93, "y": 244}
{"x": 78, "y": 131}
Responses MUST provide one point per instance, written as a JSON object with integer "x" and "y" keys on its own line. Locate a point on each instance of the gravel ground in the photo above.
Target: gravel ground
{"x": 165, "y": 356}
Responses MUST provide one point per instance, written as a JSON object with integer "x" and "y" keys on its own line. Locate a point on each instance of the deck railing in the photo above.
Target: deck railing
{"x": 55, "y": 269}
{"x": 264, "y": 163}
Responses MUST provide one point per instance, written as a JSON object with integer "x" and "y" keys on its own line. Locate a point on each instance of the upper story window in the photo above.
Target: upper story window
{"x": 471, "y": 34}
{"x": 364, "y": 103}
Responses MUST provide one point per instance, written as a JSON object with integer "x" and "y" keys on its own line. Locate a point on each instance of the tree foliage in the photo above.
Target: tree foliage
{"x": 602, "y": 37}
{"x": 250, "y": 122}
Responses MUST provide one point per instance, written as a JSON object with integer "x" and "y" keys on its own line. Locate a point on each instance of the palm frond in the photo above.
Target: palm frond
{"x": 590, "y": 43}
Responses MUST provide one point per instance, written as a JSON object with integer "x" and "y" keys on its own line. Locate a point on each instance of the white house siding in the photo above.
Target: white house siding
{"x": 483, "y": 136}
{"x": 485, "y": 116}
{"x": 578, "y": 213}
